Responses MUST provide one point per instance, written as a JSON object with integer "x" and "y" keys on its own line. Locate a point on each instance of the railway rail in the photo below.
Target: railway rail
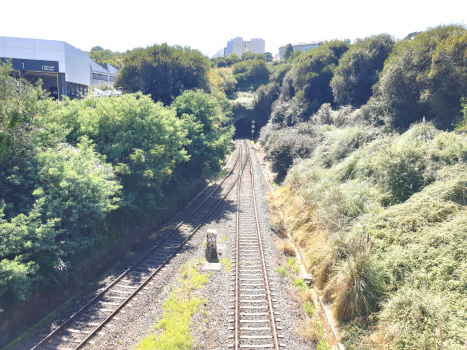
{"x": 254, "y": 316}
{"x": 82, "y": 326}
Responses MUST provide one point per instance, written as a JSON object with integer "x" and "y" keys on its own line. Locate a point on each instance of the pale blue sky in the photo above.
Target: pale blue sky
{"x": 207, "y": 25}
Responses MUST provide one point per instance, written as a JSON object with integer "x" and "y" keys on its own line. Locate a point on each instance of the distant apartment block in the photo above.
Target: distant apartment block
{"x": 277, "y": 57}
{"x": 301, "y": 47}
{"x": 221, "y": 53}
{"x": 358, "y": 40}
{"x": 235, "y": 46}
{"x": 254, "y": 45}
{"x": 239, "y": 46}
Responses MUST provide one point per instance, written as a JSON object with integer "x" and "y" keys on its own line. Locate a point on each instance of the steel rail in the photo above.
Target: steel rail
{"x": 89, "y": 336}
{"x": 118, "y": 279}
{"x": 266, "y": 281}
{"x": 263, "y": 262}
{"x": 237, "y": 244}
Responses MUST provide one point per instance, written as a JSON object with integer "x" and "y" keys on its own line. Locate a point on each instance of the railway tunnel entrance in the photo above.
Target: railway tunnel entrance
{"x": 243, "y": 129}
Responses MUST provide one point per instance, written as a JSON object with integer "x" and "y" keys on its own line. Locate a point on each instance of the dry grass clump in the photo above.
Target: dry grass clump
{"x": 308, "y": 329}
{"x": 285, "y": 247}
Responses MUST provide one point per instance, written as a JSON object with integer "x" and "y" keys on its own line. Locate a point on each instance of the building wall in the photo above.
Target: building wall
{"x": 300, "y": 47}
{"x": 72, "y": 61}
{"x": 34, "y": 49}
{"x": 235, "y": 46}
{"x": 77, "y": 65}
{"x": 257, "y": 46}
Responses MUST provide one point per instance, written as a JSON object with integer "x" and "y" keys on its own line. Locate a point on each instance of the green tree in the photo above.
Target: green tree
{"x": 18, "y": 106}
{"x": 232, "y": 59}
{"x": 269, "y": 57}
{"x": 425, "y": 77}
{"x": 265, "y": 96}
{"x": 359, "y": 69}
{"x": 143, "y": 140}
{"x": 66, "y": 192}
{"x": 288, "y": 51}
{"x": 163, "y": 71}
{"x": 101, "y": 55}
{"x": 313, "y": 71}
{"x": 248, "y": 55}
{"x": 203, "y": 117}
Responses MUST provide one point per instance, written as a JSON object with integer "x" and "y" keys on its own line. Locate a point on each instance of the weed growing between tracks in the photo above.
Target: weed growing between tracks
{"x": 173, "y": 330}
{"x": 310, "y": 327}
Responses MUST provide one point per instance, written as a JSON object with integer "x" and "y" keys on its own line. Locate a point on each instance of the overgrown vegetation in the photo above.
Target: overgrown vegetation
{"x": 77, "y": 175}
{"x": 172, "y": 331}
{"x": 373, "y": 183}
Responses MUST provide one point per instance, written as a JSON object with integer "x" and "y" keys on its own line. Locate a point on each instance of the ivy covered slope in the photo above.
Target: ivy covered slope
{"x": 374, "y": 184}
{"x": 75, "y": 175}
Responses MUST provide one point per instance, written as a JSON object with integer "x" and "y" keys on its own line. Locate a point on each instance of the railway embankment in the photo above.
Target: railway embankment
{"x": 54, "y": 304}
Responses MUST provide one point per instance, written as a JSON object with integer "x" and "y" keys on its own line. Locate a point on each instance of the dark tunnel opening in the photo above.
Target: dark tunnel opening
{"x": 243, "y": 129}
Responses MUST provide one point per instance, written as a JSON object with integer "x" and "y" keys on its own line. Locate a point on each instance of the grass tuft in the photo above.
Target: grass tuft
{"x": 285, "y": 247}
{"x": 173, "y": 330}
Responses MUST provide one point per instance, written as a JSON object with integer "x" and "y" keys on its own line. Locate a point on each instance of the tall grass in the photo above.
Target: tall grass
{"x": 409, "y": 193}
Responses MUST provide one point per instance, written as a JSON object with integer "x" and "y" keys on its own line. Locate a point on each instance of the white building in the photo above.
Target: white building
{"x": 301, "y": 47}
{"x": 239, "y": 46}
{"x": 255, "y": 45}
{"x": 64, "y": 69}
{"x": 235, "y": 46}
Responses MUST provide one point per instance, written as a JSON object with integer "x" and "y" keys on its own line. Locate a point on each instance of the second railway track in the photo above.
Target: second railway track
{"x": 81, "y": 327}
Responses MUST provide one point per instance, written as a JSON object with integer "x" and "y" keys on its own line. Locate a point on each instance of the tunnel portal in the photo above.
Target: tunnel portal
{"x": 243, "y": 129}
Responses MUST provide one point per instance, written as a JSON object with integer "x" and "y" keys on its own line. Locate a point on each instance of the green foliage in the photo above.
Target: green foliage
{"x": 281, "y": 270}
{"x": 269, "y": 57}
{"x": 356, "y": 285}
{"x": 203, "y": 118}
{"x": 179, "y": 308}
{"x": 278, "y": 72}
{"x": 299, "y": 283}
{"x": 100, "y": 55}
{"x": 248, "y": 55}
{"x": 142, "y": 139}
{"x": 425, "y": 77}
{"x": 265, "y": 97}
{"x": 410, "y": 319}
{"x": 288, "y": 51}
{"x": 358, "y": 70}
{"x": 18, "y": 106}
{"x": 309, "y": 308}
{"x": 163, "y": 71}
{"x": 66, "y": 192}
{"x": 313, "y": 71}
{"x": 405, "y": 193}
{"x": 232, "y": 59}
{"x": 251, "y": 74}
{"x": 462, "y": 125}
{"x": 292, "y": 263}
{"x": 104, "y": 87}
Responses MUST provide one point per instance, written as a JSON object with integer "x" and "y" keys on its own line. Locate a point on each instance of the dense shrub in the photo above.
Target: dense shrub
{"x": 163, "y": 71}
{"x": 358, "y": 70}
{"x": 265, "y": 96}
{"x": 425, "y": 77}
{"x": 406, "y": 193}
{"x": 251, "y": 74}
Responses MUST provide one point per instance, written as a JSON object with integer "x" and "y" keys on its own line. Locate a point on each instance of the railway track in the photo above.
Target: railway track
{"x": 81, "y": 327}
{"x": 254, "y": 316}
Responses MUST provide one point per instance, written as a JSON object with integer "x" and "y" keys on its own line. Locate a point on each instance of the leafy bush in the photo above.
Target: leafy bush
{"x": 163, "y": 71}
{"x": 409, "y": 193}
{"x": 423, "y": 77}
{"x": 251, "y": 74}
{"x": 71, "y": 190}
{"x": 358, "y": 70}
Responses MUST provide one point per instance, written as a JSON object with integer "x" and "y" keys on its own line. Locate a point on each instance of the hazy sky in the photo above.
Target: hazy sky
{"x": 207, "y": 25}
